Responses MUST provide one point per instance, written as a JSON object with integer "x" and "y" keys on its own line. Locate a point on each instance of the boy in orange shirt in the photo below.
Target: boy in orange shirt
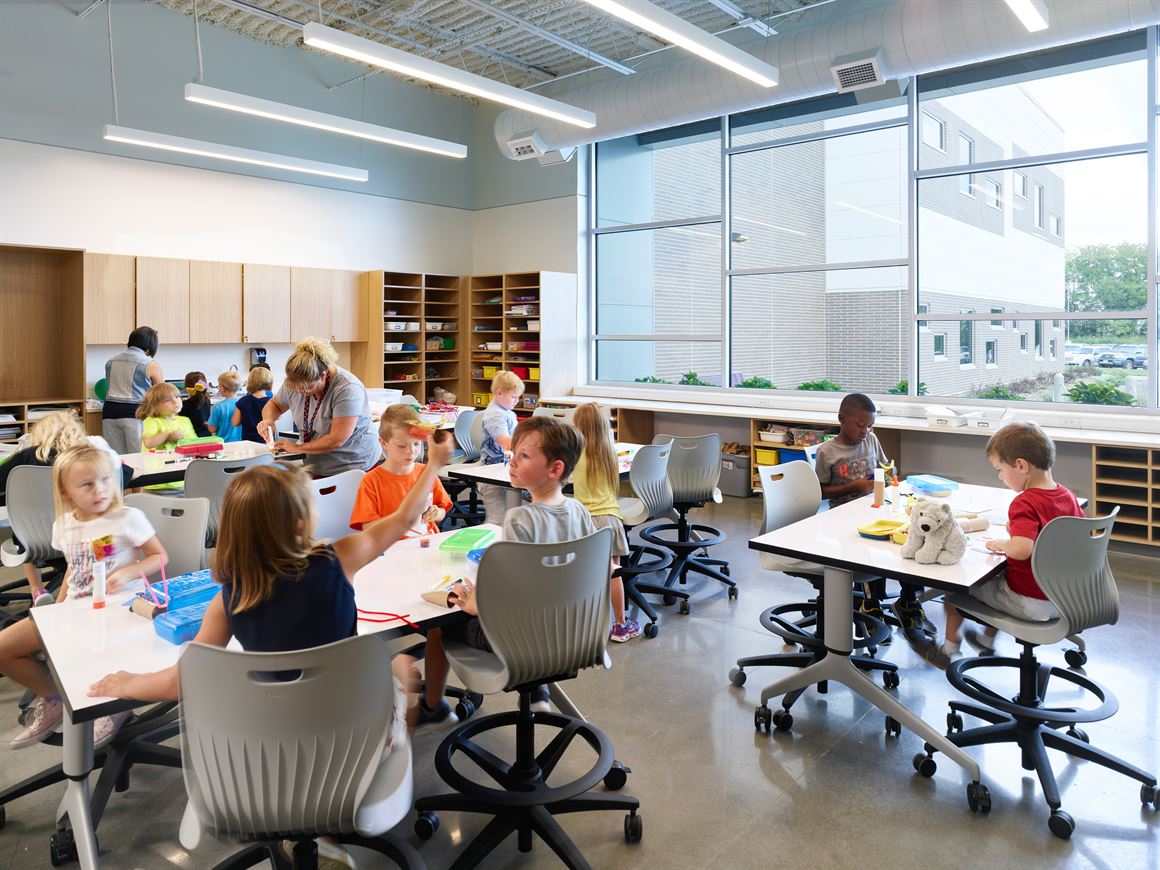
{"x": 383, "y": 488}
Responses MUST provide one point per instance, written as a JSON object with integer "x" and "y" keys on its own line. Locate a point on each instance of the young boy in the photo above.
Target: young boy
{"x": 498, "y": 425}
{"x": 379, "y": 495}
{"x": 221, "y": 415}
{"x": 1022, "y": 454}
{"x": 544, "y": 452}
{"x": 845, "y": 468}
{"x": 248, "y": 410}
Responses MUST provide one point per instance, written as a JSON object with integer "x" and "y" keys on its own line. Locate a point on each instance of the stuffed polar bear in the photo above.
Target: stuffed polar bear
{"x": 934, "y": 535}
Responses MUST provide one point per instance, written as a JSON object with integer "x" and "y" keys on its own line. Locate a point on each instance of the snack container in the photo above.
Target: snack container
{"x": 466, "y": 540}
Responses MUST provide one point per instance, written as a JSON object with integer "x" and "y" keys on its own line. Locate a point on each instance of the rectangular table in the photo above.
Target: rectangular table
{"x": 167, "y": 466}
{"x": 82, "y": 645}
{"x": 500, "y": 475}
{"x": 831, "y": 539}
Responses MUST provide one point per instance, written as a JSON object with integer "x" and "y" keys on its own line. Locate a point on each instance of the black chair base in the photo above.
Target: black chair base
{"x": 523, "y": 803}
{"x": 634, "y": 590}
{"x": 1034, "y": 727}
{"x": 689, "y": 539}
{"x": 304, "y": 856}
{"x": 469, "y": 514}
{"x": 465, "y": 701}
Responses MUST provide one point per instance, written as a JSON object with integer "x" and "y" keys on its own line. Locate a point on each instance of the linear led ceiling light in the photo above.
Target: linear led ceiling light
{"x": 1033, "y": 13}
{"x": 198, "y": 93}
{"x": 672, "y": 28}
{"x": 180, "y": 144}
{"x": 375, "y": 53}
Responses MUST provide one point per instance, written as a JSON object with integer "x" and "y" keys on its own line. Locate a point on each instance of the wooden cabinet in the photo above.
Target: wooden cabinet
{"x": 265, "y": 304}
{"x": 215, "y": 302}
{"x": 325, "y": 303}
{"x": 1128, "y": 478}
{"x": 109, "y": 293}
{"x": 163, "y": 298}
{"x": 346, "y": 324}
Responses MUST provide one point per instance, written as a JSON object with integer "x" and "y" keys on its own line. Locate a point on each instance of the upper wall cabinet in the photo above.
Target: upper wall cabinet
{"x": 109, "y": 298}
{"x": 163, "y": 298}
{"x": 347, "y": 321}
{"x": 215, "y": 302}
{"x": 265, "y": 304}
{"x": 325, "y": 303}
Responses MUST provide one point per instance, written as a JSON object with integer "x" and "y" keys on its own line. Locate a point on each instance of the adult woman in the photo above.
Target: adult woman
{"x": 129, "y": 374}
{"x": 330, "y": 408}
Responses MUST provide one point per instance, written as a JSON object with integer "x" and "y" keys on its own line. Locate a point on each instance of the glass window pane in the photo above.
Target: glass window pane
{"x": 832, "y": 201}
{"x": 665, "y": 175}
{"x": 978, "y": 257}
{"x": 690, "y": 363}
{"x": 847, "y": 327}
{"x": 933, "y": 132}
{"x": 1043, "y": 113}
{"x": 828, "y": 113}
{"x": 659, "y": 282}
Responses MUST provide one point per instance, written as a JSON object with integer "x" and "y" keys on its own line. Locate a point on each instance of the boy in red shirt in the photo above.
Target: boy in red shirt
{"x": 1023, "y": 455}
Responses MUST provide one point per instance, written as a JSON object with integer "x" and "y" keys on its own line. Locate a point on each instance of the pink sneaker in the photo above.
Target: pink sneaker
{"x": 44, "y": 717}
{"x": 42, "y": 598}
{"x": 106, "y": 728}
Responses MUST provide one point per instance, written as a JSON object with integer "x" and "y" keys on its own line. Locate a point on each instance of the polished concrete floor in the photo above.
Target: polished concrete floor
{"x": 834, "y": 792}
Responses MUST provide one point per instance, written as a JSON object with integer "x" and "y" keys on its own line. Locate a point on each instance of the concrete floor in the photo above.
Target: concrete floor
{"x": 714, "y": 793}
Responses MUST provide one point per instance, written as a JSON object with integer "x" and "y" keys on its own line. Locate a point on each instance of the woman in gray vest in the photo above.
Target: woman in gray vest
{"x": 129, "y": 374}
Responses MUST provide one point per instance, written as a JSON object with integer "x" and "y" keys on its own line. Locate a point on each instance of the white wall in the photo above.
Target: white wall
{"x": 544, "y": 236}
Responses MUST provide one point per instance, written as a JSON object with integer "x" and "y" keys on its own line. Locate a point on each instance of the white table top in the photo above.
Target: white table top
{"x": 831, "y": 538}
{"x": 500, "y": 475}
{"x": 83, "y": 644}
{"x": 160, "y": 461}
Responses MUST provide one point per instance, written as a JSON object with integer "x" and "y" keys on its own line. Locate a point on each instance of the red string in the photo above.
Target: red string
{"x": 390, "y": 617}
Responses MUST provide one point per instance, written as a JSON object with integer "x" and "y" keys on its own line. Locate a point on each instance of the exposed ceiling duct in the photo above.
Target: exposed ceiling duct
{"x": 912, "y": 37}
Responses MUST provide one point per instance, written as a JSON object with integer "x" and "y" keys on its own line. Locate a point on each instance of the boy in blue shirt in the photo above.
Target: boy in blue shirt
{"x": 221, "y": 415}
{"x": 499, "y": 423}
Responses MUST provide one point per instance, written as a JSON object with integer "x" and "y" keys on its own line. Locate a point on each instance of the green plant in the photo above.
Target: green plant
{"x": 690, "y": 379}
{"x": 650, "y": 379}
{"x": 1095, "y": 393}
{"x": 999, "y": 392}
{"x": 822, "y": 386}
{"x": 757, "y": 383}
{"x": 903, "y": 387}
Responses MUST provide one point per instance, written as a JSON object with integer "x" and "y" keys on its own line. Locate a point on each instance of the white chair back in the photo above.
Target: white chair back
{"x": 1070, "y": 564}
{"x": 31, "y": 513}
{"x": 180, "y": 524}
{"x": 208, "y": 478}
{"x": 790, "y": 492}
{"x": 694, "y": 466}
{"x": 649, "y": 478}
{"x": 334, "y": 497}
{"x": 562, "y": 415}
{"x": 464, "y": 424}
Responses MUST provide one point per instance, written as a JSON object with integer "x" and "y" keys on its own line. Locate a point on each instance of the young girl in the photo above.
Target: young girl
{"x": 221, "y": 418}
{"x": 248, "y": 413}
{"x": 92, "y": 525}
{"x": 195, "y": 407}
{"x": 596, "y": 481}
{"x": 162, "y": 427}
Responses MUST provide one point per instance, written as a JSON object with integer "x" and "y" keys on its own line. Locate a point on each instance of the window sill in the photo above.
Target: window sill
{"x": 965, "y": 366}
{"x": 940, "y": 359}
{"x": 992, "y": 366}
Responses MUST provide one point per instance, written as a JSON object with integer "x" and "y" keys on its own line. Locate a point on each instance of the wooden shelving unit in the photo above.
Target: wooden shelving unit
{"x": 1128, "y": 477}
{"x": 442, "y": 343}
{"x": 25, "y": 414}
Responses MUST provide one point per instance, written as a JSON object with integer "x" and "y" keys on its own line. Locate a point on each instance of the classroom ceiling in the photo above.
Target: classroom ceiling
{"x": 521, "y": 42}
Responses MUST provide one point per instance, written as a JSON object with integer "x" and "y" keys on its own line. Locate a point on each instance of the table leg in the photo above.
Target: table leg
{"x": 836, "y": 666}
{"x": 78, "y": 764}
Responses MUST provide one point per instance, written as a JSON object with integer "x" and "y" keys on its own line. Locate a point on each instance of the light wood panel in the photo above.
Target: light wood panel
{"x": 265, "y": 303}
{"x": 163, "y": 298}
{"x": 110, "y": 303}
{"x": 215, "y": 302}
{"x": 345, "y": 322}
{"x": 310, "y": 291}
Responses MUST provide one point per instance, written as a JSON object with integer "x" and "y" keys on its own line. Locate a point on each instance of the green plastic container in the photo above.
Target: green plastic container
{"x": 466, "y": 540}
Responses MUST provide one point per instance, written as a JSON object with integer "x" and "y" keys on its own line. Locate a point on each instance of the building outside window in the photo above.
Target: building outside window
{"x": 1023, "y": 342}
{"x": 934, "y": 132}
{"x": 1021, "y": 185}
{"x": 967, "y": 339}
{"x": 940, "y": 346}
{"x": 992, "y": 193}
{"x": 1039, "y": 339}
{"x": 992, "y": 351}
{"x": 1056, "y": 225}
{"x": 1037, "y": 204}
{"x": 966, "y": 157}
{"x": 997, "y": 324}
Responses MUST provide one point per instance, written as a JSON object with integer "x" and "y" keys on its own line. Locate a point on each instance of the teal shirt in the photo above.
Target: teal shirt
{"x": 220, "y": 417}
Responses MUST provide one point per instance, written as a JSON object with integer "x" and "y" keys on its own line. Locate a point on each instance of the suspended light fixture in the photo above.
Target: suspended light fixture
{"x": 672, "y": 28}
{"x": 207, "y": 96}
{"x": 384, "y": 56}
{"x": 1033, "y": 13}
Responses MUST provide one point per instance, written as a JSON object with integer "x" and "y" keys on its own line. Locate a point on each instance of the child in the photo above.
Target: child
{"x": 221, "y": 416}
{"x": 52, "y": 435}
{"x": 161, "y": 426}
{"x": 195, "y": 406}
{"x": 248, "y": 412}
{"x": 498, "y": 425}
{"x": 845, "y": 468}
{"x": 383, "y": 488}
{"x": 544, "y": 453}
{"x": 596, "y": 482}
{"x": 1022, "y": 454}
{"x": 92, "y": 525}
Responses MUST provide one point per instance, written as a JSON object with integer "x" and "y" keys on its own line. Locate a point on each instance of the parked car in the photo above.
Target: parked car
{"x": 1138, "y": 359}
{"x": 1122, "y": 356}
{"x": 1084, "y": 354}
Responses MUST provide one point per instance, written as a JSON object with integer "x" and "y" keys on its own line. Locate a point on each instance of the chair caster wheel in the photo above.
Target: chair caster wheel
{"x": 782, "y": 720}
{"x": 732, "y": 593}
{"x": 465, "y": 709}
{"x": 617, "y": 776}
{"x": 683, "y": 609}
{"x": 890, "y": 679}
{"x": 1061, "y": 824}
{"x": 954, "y": 723}
{"x": 871, "y": 651}
{"x": 978, "y": 798}
{"x": 1148, "y": 795}
{"x": 669, "y": 600}
{"x": 651, "y": 629}
{"x": 62, "y": 848}
{"x": 737, "y": 677}
{"x": 426, "y": 826}
{"x": 924, "y": 764}
{"x": 1075, "y": 658}
{"x": 762, "y": 718}
{"x": 893, "y": 727}
{"x": 1078, "y": 734}
{"x": 633, "y": 828}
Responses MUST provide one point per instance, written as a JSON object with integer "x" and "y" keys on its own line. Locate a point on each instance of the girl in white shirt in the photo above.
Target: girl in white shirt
{"x": 92, "y": 525}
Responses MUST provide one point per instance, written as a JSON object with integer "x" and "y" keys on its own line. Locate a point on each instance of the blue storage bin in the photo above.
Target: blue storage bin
{"x": 180, "y": 626}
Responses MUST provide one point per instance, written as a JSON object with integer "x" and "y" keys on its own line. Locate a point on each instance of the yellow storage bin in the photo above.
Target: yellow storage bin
{"x": 766, "y": 456}
{"x": 481, "y": 400}
{"x": 534, "y": 373}
{"x": 490, "y": 371}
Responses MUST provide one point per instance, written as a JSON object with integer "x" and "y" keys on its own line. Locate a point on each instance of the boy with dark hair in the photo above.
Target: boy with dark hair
{"x": 1023, "y": 455}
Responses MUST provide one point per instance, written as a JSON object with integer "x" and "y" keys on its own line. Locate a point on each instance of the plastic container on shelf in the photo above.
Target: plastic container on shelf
{"x": 807, "y": 437}
{"x": 393, "y": 346}
{"x": 767, "y": 455}
{"x": 481, "y": 400}
{"x": 490, "y": 371}
{"x": 520, "y": 372}
{"x": 735, "y": 477}
{"x": 534, "y": 373}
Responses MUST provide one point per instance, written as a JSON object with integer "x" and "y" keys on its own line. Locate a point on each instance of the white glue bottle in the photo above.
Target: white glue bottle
{"x": 98, "y": 584}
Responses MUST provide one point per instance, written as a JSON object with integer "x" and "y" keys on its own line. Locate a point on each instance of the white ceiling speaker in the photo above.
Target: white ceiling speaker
{"x": 528, "y": 144}
{"x": 862, "y": 69}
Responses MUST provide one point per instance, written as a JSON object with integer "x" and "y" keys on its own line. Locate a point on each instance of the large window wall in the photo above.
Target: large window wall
{"x": 989, "y": 236}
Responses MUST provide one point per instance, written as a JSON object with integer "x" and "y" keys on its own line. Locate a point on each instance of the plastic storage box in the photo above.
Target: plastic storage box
{"x": 481, "y": 400}
{"x": 533, "y": 373}
{"x": 735, "y": 479}
{"x": 931, "y": 485}
{"x": 466, "y": 540}
{"x": 791, "y": 455}
{"x": 490, "y": 371}
{"x": 767, "y": 456}
{"x": 807, "y": 437}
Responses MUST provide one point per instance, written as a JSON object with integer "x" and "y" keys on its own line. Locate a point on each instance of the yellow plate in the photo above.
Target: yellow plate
{"x": 880, "y": 530}
{"x": 899, "y": 534}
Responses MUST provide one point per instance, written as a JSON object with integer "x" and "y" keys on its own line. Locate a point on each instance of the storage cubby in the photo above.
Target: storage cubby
{"x": 1128, "y": 478}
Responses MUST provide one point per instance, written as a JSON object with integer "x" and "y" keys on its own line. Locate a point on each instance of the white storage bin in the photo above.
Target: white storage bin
{"x": 396, "y": 326}
{"x": 435, "y": 325}
{"x": 413, "y": 325}
{"x": 395, "y": 346}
